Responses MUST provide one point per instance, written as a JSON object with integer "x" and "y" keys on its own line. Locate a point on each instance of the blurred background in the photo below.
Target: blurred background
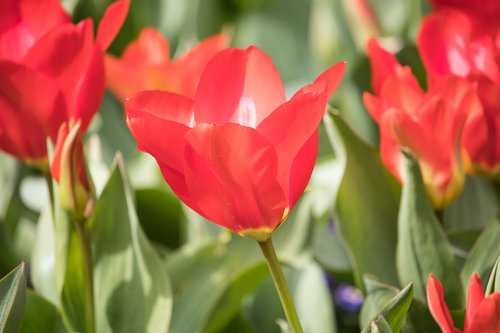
{"x": 220, "y": 283}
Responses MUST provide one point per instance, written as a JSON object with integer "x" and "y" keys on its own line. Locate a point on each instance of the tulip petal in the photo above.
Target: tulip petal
{"x": 487, "y": 316}
{"x": 111, "y": 22}
{"x": 141, "y": 66}
{"x": 437, "y": 305}
{"x": 68, "y": 55}
{"x": 302, "y": 168}
{"x": 474, "y": 298}
{"x": 31, "y": 109}
{"x": 290, "y": 126}
{"x": 238, "y": 86}
{"x": 156, "y": 120}
{"x": 332, "y": 77}
{"x": 442, "y": 43}
{"x": 184, "y": 73}
{"x": 231, "y": 172}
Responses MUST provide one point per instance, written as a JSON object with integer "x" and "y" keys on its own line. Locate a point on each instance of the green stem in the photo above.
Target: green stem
{"x": 281, "y": 285}
{"x": 88, "y": 275}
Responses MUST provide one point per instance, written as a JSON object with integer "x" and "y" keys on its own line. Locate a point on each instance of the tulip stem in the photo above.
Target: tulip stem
{"x": 88, "y": 274}
{"x": 281, "y": 285}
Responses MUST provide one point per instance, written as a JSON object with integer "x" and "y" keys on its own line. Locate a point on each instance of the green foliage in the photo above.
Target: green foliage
{"x": 367, "y": 205}
{"x": 422, "y": 244}
{"x": 12, "y": 299}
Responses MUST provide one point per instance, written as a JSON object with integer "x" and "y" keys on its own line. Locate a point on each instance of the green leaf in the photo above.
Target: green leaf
{"x": 41, "y": 316}
{"x": 379, "y": 325}
{"x": 210, "y": 280}
{"x": 12, "y": 299}
{"x": 313, "y": 301}
{"x": 422, "y": 245}
{"x": 378, "y": 300}
{"x": 484, "y": 253}
{"x": 494, "y": 280}
{"x": 474, "y": 208}
{"x": 132, "y": 289}
{"x": 367, "y": 205}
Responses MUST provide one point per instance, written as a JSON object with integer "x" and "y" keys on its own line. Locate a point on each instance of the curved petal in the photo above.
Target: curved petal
{"x": 474, "y": 298}
{"x": 291, "y": 125}
{"x": 22, "y": 23}
{"x": 487, "y": 316}
{"x": 231, "y": 172}
{"x": 302, "y": 168}
{"x": 69, "y": 56}
{"x": 155, "y": 120}
{"x": 142, "y": 58}
{"x": 238, "y": 86}
{"x": 332, "y": 77}
{"x": 442, "y": 43}
{"x": 184, "y": 73}
{"x": 111, "y": 22}
{"x": 31, "y": 109}
{"x": 437, "y": 305}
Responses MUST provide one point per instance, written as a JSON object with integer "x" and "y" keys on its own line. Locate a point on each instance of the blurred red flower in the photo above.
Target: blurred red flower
{"x": 238, "y": 153}
{"x": 462, "y": 38}
{"x": 51, "y": 71}
{"x": 482, "y": 312}
{"x": 429, "y": 123}
{"x": 146, "y": 65}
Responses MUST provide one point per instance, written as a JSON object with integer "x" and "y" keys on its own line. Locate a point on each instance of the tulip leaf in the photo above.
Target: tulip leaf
{"x": 210, "y": 280}
{"x": 40, "y": 315}
{"x": 422, "y": 244}
{"x": 379, "y": 299}
{"x": 312, "y": 298}
{"x": 12, "y": 299}
{"x": 132, "y": 289}
{"x": 475, "y": 207}
{"x": 494, "y": 280}
{"x": 484, "y": 253}
{"x": 366, "y": 206}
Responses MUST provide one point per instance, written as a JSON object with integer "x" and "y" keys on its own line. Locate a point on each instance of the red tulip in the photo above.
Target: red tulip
{"x": 51, "y": 71}
{"x": 482, "y": 313}
{"x": 238, "y": 153}
{"x": 464, "y": 40}
{"x": 146, "y": 64}
{"x": 428, "y": 123}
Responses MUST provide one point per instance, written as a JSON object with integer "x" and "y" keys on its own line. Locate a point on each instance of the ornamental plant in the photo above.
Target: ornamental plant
{"x": 147, "y": 147}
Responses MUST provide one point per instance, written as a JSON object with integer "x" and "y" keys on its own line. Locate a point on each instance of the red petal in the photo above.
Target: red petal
{"x": 156, "y": 120}
{"x": 238, "y": 86}
{"x": 437, "y": 305}
{"x": 31, "y": 109}
{"x": 69, "y": 56}
{"x": 184, "y": 73}
{"x": 302, "y": 168}
{"x": 290, "y": 127}
{"x": 332, "y": 77}
{"x": 474, "y": 298}
{"x": 141, "y": 66}
{"x": 111, "y": 22}
{"x": 487, "y": 316}
{"x": 442, "y": 42}
{"x": 231, "y": 172}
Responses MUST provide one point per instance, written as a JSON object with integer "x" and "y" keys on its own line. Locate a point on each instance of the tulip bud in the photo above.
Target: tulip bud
{"x": 76, "y": 192}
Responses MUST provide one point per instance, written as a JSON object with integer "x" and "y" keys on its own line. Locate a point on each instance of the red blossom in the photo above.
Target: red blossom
{"x": 51, "y": 71}
{"x": 238, "y": 153}
{"x": 146, "y": 65}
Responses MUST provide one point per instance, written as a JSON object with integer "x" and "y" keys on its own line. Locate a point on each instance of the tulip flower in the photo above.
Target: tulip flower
{"x": 463, "y": 39}
{"x": 429, "y": 123}
{"x": 482, "y": 313}
{"x": 146, "y": 65}
{"x": 238, "y": 153}
{"x": 52, "y": 71}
